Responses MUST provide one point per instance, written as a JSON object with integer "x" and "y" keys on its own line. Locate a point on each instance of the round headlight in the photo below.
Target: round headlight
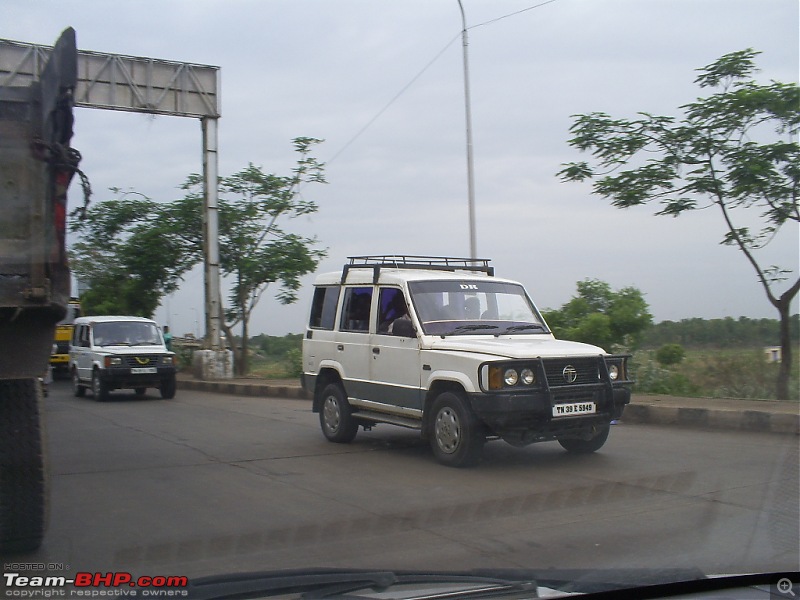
{"x": 613, "y": 372}
{"x": 511, "y": 377}
{"x": 527, "y": 377}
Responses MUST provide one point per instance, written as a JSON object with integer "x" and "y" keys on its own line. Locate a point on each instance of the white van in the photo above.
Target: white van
{"x": 118, "y": 352}
{"x": 443, "y": 346}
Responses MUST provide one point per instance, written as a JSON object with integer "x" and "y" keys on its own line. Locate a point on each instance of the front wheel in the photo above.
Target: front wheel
{"x": 457, "y": 435}
{"x": 167, "y": 388}
{"x": 99, "y": 387}
{"x": 77, "y": 389}
{"x": 336, "y": 416}
{"x": 578, "y": 446}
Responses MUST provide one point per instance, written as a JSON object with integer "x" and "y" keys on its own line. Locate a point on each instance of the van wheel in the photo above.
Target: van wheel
{"x": 23, "y": 497}
{"x": 457, "y": 436}
{"x": 99, "y": 387}
{"x": 168, "y": 388}
{"x": 336, "y": 415}
{"x": 577, "y": 446}
{"x": 77, "y": 389}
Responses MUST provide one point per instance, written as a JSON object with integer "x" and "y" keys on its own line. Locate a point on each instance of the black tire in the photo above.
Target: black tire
{"x": 140, "y": 391}
{"x": 336, "y": 415}
{"x": 22, "y": 474}
{"x": 168, "y": 387}
{"x": 99, "y": 387}
{"x": 77, "y": 389}
{"x": 456, "y": 435}
{"x": 578, "y": 446}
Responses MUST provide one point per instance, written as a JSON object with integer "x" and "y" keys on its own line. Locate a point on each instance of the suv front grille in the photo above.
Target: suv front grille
{"x": 147, "y": 360}
{"x": 558, "y": 371}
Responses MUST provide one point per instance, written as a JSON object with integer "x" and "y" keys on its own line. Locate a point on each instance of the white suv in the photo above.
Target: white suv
{"x": 108, "y": 353}
{"x": 443, "y": 346}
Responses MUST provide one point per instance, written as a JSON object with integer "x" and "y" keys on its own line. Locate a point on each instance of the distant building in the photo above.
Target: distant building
{"x": 773, "y": 354}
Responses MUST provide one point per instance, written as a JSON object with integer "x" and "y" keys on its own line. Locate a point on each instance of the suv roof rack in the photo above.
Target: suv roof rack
{"x": 409, "y": 261}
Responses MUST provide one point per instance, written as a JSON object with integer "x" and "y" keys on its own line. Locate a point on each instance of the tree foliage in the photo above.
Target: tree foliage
{"x": 736, "y": 150}
{"x": 743, "y": 332}
{"x": 598, "y": 315}
{"x": 132, "y": 250}
{"x": 129, "y": 255}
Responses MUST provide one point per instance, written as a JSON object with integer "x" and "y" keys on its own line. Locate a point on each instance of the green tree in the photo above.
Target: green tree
{"x": 598, "y": 315}
{"x": 129, "y": 256}
{"x": 133, "y": 250}
{"x": 255, "y": 251}
{"x": 715, "y": 155}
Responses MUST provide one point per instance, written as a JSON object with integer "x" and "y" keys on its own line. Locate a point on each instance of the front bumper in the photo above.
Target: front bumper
{"x": 529, "y": 415}
{"x": 126, "y": 377}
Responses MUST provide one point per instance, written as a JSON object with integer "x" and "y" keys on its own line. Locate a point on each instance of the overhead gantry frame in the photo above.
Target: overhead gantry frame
{"x": 153, "y": 86}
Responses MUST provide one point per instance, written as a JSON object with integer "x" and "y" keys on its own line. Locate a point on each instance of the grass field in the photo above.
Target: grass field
{"x": 712, "y": 372}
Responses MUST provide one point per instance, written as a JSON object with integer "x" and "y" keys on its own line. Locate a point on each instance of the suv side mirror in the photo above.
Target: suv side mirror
{"x": 404, "y": 328}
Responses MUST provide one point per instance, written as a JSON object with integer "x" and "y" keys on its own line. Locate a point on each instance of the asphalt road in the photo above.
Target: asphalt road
{"x": 208, "y": 483}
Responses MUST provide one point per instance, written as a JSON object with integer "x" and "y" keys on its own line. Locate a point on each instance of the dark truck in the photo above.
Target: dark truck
{"x": 36, "y": 167}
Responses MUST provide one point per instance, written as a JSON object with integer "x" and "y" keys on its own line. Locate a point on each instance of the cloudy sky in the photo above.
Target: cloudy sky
{"x": 381, "y": 81}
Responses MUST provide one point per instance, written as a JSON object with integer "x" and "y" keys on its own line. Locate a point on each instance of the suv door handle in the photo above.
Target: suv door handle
{"x": 376, "y": 350}
{"x": 340, "y": 347}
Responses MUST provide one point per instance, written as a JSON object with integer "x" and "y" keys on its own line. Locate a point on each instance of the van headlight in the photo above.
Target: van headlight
{"x": 500, "y": 377}
{"x": 510, "y": 377}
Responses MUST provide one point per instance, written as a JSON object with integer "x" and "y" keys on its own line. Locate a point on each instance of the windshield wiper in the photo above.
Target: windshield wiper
{"x": 473, "y": 327}
{"x": 511, "y": 328}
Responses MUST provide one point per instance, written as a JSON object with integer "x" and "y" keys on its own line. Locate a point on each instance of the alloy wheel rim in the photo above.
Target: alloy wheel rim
{"x": 448, "y": 430}
{"x": 332, "y": 414}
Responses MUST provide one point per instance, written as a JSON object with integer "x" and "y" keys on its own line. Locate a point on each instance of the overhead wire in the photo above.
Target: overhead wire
{"x": 421, "y": 72}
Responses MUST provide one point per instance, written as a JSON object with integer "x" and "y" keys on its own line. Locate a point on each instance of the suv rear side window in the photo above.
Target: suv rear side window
{"x": 356, "y": 310}
{"x": 323, "y": 307}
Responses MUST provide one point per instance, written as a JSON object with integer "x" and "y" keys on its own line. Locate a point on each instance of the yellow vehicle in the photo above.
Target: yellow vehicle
{"x": 59, "y": 359}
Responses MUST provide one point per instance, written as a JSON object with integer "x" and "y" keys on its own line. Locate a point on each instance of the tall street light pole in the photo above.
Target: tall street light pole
{"x": 473, "y": 252}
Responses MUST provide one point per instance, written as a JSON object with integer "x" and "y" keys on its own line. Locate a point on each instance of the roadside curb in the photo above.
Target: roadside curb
{"x": 706, "y": 418}
{"x": 640, "y": 411}
{"x": 245, "y": 389}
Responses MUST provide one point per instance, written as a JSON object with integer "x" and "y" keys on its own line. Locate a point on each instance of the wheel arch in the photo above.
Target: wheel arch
{"x": 326, "y": 376}
{"x": 436, "y": 388}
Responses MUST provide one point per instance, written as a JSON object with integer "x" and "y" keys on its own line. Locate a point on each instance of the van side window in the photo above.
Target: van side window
{"x": 323, "y": 307}
{"x": 357, "y": 304}
{"x": 391, "y": 306}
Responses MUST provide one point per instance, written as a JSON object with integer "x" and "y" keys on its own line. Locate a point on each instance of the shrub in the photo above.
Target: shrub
{"x": 670, "y": 354}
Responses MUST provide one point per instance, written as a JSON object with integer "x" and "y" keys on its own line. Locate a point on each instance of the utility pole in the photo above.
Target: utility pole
{"x": 473, "y": 251}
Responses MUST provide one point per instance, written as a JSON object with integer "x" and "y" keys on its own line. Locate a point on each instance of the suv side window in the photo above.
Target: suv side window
{"x": 80, "y": 336}
{"x": 391, "y": 306}
{"x": 356, "y": 309}
{"x": 323, "y": 307}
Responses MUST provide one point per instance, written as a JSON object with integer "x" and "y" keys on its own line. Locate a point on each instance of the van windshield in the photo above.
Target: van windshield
{"x": 474, "y": 307}
{"x": 126, "y": 333}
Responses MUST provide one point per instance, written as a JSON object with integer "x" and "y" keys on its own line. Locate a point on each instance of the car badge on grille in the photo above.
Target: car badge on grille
{"x": 570, "y": 374}
{"x": 142, "y": 361}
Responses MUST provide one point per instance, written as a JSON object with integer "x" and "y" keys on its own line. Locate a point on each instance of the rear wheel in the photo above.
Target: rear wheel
{"x": 336, "y": 416}
{"x": 457, "y": 436}
{"x": 578, "y": 446}
{"x": 22, "y": 475}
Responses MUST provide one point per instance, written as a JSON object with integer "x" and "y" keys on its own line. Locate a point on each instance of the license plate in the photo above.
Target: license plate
{"x": 141, "y": 370}
{"x": 575, "y": 408}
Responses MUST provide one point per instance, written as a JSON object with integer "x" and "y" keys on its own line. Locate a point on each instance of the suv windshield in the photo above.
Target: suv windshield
{"x": 125, "y": 333}
{"x": 474, "y": 307}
